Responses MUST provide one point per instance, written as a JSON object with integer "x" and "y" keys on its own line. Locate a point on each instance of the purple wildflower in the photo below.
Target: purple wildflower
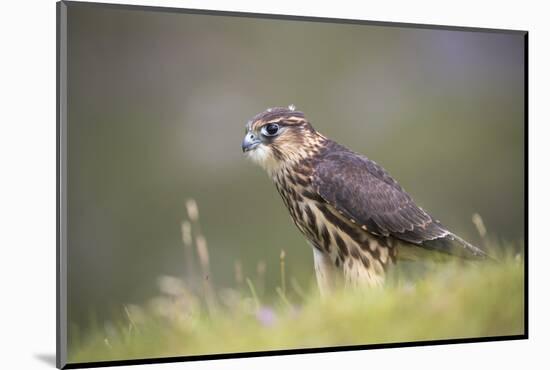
{"x": 266, "y": 316}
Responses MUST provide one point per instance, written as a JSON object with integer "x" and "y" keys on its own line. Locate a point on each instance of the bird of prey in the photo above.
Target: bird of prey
{"x": 356, "y": 217}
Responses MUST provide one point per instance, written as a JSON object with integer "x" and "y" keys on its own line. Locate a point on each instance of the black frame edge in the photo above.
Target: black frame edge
{"x": 284, "y": 352}
{"x": 526, "y": 182}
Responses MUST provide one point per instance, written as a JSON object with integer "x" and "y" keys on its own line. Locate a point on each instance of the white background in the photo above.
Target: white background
{"x": 27, "y": 182}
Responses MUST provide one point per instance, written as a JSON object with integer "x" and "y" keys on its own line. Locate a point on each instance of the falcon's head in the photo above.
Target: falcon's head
{"x": 279, "y": 136}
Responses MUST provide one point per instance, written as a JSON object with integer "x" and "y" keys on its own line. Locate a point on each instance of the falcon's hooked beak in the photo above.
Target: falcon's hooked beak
{"x": 250, "y": 142}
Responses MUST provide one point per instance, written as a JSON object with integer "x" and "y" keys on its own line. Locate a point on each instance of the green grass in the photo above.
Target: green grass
{"x": 445, "y": 301}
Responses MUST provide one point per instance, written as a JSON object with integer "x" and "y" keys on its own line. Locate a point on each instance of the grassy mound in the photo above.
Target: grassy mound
{"x": 446, "y": 301}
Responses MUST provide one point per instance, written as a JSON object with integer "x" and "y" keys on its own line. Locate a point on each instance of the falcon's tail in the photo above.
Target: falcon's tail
{"x": 445, "y": 248}
{"x": 456, "y": 246}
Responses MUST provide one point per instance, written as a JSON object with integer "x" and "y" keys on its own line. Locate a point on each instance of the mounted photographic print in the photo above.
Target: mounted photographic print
{"x": 235, "y": 184}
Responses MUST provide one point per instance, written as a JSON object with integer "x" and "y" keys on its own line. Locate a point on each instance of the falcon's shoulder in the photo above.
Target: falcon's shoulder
{"x": 364, "y": 192}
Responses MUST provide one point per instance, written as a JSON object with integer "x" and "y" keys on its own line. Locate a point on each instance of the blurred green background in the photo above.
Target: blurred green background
{"x": 157, "y": 107}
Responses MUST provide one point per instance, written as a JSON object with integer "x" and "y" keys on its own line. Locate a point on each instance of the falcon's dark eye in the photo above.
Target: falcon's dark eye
{"x": 270, "y": 130}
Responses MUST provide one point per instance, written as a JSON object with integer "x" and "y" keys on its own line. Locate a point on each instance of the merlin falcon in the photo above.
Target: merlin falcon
{"x": 357, "y": 218}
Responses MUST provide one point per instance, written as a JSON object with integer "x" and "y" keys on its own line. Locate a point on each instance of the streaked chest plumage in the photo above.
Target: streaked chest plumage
{"x": 361, "y": 257}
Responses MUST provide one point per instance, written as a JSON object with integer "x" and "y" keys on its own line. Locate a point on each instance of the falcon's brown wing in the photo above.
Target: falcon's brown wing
{"x": 364, "y": 192}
